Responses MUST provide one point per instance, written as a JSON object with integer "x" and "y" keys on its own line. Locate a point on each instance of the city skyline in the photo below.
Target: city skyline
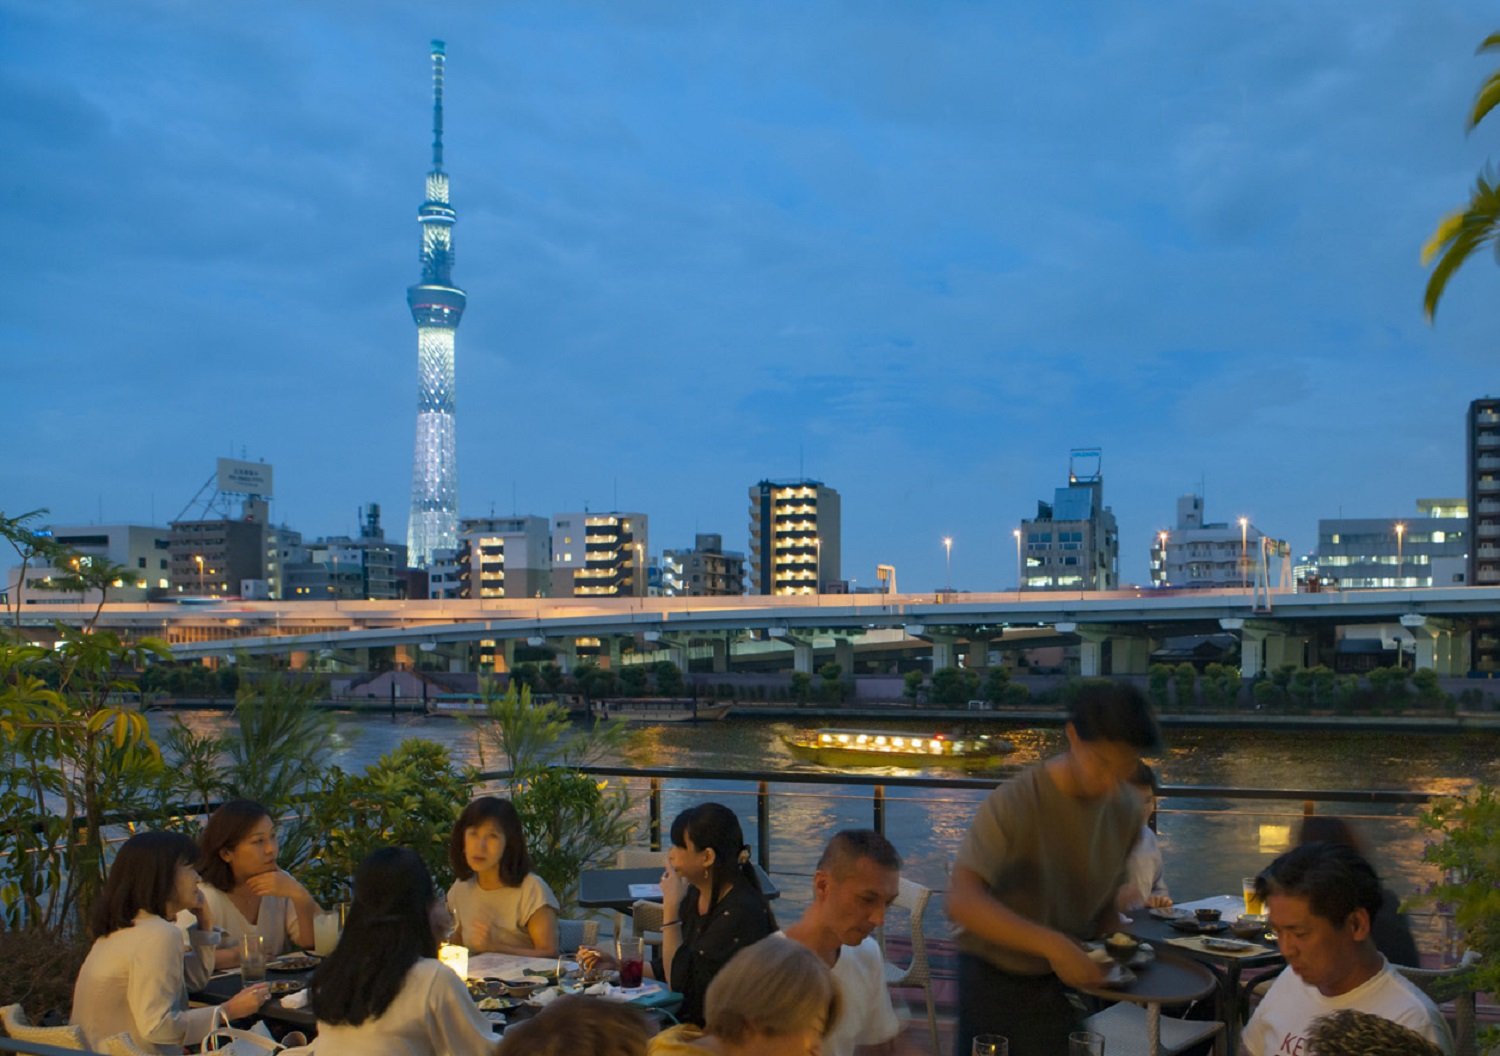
{"x": 918, "y": 254}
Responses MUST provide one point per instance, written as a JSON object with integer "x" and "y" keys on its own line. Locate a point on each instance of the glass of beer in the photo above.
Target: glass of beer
{"x": 1253, "y": 904}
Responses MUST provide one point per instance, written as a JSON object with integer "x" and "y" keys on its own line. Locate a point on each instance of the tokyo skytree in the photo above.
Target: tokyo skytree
{"x": 436, "y": 307}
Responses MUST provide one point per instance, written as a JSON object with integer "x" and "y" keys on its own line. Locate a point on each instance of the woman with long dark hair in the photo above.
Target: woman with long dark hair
{"x": 133, "y": 979}
{"x": 500, "y": 903}
{"x": 383, "y": 990}
{"x": 712, "y": 905}
{"x": 246, "y": 891}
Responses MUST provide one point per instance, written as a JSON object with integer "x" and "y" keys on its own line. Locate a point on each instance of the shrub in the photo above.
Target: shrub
{"x": 1158, "y": 678}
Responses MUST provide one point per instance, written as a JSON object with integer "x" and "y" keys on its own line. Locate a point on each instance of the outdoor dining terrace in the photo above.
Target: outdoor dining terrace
{"x": 1212, "y": 837}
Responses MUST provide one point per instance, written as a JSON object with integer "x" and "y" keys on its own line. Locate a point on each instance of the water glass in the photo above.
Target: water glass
{"x": 252, "y": 958}
{"x": 991, "y": 1045}
{"x": 325, "y": 932}
{"x": 1085, "y": 1043}
{"x": 631, "y": 953}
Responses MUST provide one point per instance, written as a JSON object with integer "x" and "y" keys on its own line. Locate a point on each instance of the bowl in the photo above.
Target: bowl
{"x": 523, "y": 987}
{"x": 1122, "y": 947}
{"x": 1207, "y": 916}
{"x": 1249, "y": 926}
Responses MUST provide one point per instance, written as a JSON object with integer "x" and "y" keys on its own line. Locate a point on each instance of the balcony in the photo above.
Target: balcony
{"x": 1488, "y": 530}
{"x": 1487, "y": 462}
{"x": 1487, "y": 485}
{"x": 1486, "y": 440}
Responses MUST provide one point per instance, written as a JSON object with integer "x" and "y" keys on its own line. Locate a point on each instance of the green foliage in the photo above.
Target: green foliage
{"x": 1467, "y": 850}
{"x": 568, "y": 827}
{"x": 527, "y": 675}
{"x": 552, "y": 678}
{"x": 1221, "y": 685}
{"x": 911, "y": 684}
{"x": 71, "y": 755}
{"x": 1158, "y": 678}
{"x": 633, "y": 680}
{"x": 29, "y": 545}
{"x": 1185, "y": 682}
{"x": 668, "y": 678}
{"x": 410, "y": 797}
{"x": 954, "y": 685}
{"x": 1428, "y": 689}
{"x": 800, "y": 686}
{"x": 832, "y": 689}
{"x": 1267, "y": 694}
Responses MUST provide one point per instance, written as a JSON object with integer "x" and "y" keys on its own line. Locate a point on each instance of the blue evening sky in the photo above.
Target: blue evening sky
{"x": 916, "y": 250}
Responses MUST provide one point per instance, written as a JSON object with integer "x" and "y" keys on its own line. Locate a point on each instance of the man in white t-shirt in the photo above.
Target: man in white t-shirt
{"x": 858, "y": 876}
{"x": 1320, "y": 898}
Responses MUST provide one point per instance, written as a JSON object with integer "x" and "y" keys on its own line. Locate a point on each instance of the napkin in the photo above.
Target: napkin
{"x": 295, "y": 1000}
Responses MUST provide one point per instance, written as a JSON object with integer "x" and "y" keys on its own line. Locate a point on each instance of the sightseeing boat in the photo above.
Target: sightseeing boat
{"x": 833, "y": 747}
{"x": 659, "y": 710}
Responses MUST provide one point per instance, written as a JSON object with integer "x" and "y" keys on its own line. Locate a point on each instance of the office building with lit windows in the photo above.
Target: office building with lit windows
{"x": 599, "y": 554}
{"x": 795, "y": 533}
{"x": 1483, "y": 435}
{"x": 1073, "y": 542}
{"x": 504, "y": 557}
{"x": 1427, "y": 550}
{"x": 1195, "y": 554}
{"x": 707, "y": 570}
{"x": 141, "y": 549}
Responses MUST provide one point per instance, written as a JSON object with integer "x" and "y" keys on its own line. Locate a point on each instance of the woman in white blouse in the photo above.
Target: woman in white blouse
{"x": 246, "y": 891}
{"x": 382, "y": 991}
{"x": 500, "y": 903}
{"x": 133, "y": 978}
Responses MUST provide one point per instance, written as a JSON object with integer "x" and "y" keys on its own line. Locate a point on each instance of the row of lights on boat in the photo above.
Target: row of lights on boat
{"x": 882, "y": 743}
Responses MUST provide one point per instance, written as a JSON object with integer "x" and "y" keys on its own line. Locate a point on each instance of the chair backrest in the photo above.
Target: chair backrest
{"x": 572, "y": 934}
{"x": 913, "y": 898}
{"x": 639, "y": 858}
{"x": 123, "y": 1045}
{"x": 19, "y": 1027}
{"x": 645, "y": 916}
{"x": 1454, "y": 984}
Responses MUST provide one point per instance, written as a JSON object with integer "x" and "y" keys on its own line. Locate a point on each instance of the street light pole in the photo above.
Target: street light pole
{"x": 1162, "y": 537}
{"x": 1400, "y": 554}
{"x": 199, "y": 558}
{"x": 948, "y": 559}
{"x": 1017, "y": 533}
{"x": 1244, "y": 553}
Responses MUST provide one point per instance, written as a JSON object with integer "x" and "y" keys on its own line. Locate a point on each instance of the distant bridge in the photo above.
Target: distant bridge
{"x": 1115, "y": 629}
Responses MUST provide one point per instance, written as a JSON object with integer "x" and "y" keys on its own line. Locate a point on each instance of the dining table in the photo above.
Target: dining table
{"x": 1228, "y": 965}
{"x": 620, "y": 889}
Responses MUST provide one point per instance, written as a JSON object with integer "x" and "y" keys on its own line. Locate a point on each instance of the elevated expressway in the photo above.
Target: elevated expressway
{"x": 1115, "y": 630}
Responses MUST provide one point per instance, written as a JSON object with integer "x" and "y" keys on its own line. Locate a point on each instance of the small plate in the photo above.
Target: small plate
{"x": 1119, "y": 975}
{"x": 292, "y": 962}
{"x": 284, "y": 987}
{"x": 1227, "y": 945}
{"x": 1199, "y": 927}
{"x": 1169, "y": 913}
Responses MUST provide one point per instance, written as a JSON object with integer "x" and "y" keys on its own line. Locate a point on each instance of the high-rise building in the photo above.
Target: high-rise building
{"x": 1073, "y": 542}
{"x": 436, "y": 307}
{"x": 1199, "y": 554}
{"x": 504, "y": 557}
{"x": 599, "y": 554}
{"x": 214, "y": 558}
{"x": 795, "y": 535}
{"x": 369, "y": 566}
{"x": 704, "y": 571}
{"x": 1483, "y": 436}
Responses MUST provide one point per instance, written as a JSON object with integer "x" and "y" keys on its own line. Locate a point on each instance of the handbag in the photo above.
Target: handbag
{"x": 256, "y": 1041}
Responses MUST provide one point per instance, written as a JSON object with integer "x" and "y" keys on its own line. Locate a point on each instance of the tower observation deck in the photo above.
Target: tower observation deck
{"x": 436, "y": 307}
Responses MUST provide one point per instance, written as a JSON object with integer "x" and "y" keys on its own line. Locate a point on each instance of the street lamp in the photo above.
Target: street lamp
{"x": 1161, "y": 537}
{"x": 948, "y": 559}
{"x": 1400, "y": 536}
{"x": 1017, "y": 533}
{"x": 1244, "y": 553}
{"x": 199, "y": 558}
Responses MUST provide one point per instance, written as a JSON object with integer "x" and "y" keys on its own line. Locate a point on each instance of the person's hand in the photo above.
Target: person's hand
{"x": 477, "y": 935}
{"x": 1073, "y": 966}
{"x": 278, "y": 882}
{"x": 673, "y": 887}
{"x": 201, "y": 913}
{"x": 593, "y": 959}
{"x": 247, "y": 1001}
{"x": 1159, "y": 902}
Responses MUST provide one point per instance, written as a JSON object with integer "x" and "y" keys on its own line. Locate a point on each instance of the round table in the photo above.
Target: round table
{"x": 1167, "y": 980}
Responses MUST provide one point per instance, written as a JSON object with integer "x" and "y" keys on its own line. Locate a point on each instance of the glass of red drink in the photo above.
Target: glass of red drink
{"x": 631, "y": 954}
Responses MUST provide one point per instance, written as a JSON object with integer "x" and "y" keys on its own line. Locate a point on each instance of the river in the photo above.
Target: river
{"x": 1207, "y": 843}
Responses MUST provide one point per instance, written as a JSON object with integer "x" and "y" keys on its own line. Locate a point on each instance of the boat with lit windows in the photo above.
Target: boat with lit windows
{"x": 833, "y": 747}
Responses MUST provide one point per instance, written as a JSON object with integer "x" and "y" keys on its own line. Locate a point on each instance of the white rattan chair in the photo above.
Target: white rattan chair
{"x": 1126, "y": 1030}
{"x": 913, "y": 898}
{"x": 20, "y": 1028}
{"x": 572, "y": 934}
{"x": 1453, "y": 984}
{"x": 640, "y": 858}
{"x": 123, "y": 1045}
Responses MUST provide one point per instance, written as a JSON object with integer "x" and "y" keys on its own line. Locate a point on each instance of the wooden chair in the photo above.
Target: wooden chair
{"x": 1453, "y": 984}
{"x": 913, "y": 898}
{"x": 20, "y": 1028}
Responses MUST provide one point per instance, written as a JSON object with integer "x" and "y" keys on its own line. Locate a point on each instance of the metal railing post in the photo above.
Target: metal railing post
{"x": 763, "y": 823}
{"x": 879, "y": 800}
{"x": 655, "y": 809}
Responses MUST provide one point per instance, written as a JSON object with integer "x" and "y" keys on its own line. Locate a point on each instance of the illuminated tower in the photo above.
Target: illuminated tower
{"x": 436, "y": 306}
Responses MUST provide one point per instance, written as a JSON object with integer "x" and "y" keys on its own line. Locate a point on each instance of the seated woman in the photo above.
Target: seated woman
{"x": 1144, "y": 884}
{"x": 501, "y": 906}
{"x": 132, "y": 980}
{"x": 382, "y": 990}
{"x": 570, "y": 1026}
{"x": 775, "y": 998}
{"x": 712, "y": 905}
{"x": 246, "y": 891}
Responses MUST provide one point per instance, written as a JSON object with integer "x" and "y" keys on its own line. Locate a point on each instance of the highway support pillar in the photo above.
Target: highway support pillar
{"x": 1437, "y": 644}
{"x": 802, "y": 655}
{"x": 1265, "y": 645}
{"x": 1106, "y": 649}
{"x": 567, "y": 655}
{"x": 505, "y": 656}
{"x": 843, "y": 655}
{"x": 675, "y": 646}
{"x": 405, "y": 659}
{"x": 720, "y": 644}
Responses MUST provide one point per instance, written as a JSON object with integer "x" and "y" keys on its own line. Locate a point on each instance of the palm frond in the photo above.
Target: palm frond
{"x": 1458, "y": 236}
{"x": 1484, "y": 102}
{"x": 1490, "y": 43}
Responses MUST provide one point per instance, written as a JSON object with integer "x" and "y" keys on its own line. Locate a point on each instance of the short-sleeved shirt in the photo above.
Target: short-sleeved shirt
{"x": 738, "y": 919}
{"x": 505, "y": 909}
{"x": 276, "y": 923}
{"x": 1282, "y": 1020}
{"x": 866, "y": 1015}
{"x": 1052, "y": 858}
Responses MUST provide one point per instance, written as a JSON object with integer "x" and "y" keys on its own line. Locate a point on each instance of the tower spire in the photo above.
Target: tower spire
{"x": 436, "y": 307}
{"x": 439, "y": 57}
